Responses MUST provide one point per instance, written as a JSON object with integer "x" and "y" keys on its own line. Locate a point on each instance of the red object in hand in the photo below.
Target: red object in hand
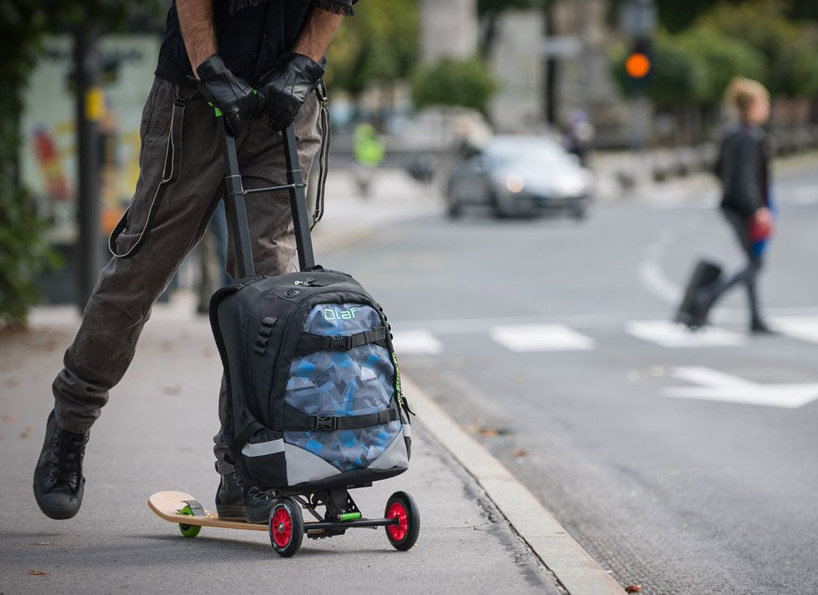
{"x": 761, "y": 225}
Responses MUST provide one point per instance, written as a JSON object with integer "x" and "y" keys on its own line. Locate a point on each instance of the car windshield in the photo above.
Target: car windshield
{"x": 519, "y": 151}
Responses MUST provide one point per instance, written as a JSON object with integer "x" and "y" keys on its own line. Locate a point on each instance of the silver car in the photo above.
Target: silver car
{"x": 519, "y": 176}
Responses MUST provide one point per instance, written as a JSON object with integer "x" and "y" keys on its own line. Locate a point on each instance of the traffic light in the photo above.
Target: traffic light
{"x": 638, "y": 63}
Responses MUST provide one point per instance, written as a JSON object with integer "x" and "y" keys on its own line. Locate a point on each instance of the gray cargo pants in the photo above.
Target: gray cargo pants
{"x": 122, "y": 300}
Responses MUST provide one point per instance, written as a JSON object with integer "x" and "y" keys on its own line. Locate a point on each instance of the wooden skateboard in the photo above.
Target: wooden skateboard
{"x": 286, "y": 525}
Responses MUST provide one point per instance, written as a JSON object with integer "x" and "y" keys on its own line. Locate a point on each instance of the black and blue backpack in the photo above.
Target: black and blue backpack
{"x": 314, "y": 384}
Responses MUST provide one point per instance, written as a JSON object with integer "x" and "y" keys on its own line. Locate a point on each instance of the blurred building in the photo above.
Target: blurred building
{"x": 517, "y": 64}
{"x": 574, "y": 48}
{"x": 448, "y": 28}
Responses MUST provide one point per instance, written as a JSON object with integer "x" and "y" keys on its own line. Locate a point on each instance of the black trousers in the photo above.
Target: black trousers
{"x": 746, "y": 276}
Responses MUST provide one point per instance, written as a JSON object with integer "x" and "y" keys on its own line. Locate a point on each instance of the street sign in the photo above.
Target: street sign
{"x": 561, "y": 47}
{"x": 637, "y": 18}
{"x": 718, "y": 386}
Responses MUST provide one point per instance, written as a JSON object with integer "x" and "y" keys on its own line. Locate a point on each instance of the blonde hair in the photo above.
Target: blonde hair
{"x": 742, "y": 93}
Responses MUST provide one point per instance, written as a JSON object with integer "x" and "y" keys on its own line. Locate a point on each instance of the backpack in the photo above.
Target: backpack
{"x": 313, "y": 380}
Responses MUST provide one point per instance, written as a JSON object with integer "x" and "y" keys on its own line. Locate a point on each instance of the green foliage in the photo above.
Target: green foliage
{"x": 380, "y": 43}
{"x": 466, "y": 83}
{"x": 24, "y": 252}
{"x": 723, "y": 58}
{"x": 676, "y": 15}
{"x": 789, "y": 50}
{"x": 753, "y": 39}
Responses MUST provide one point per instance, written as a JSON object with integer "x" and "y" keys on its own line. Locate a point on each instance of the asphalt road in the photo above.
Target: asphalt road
{"x": 683, "y": 463}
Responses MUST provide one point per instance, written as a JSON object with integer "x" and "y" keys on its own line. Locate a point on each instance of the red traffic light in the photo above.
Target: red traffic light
{"x": 637, "y": 65}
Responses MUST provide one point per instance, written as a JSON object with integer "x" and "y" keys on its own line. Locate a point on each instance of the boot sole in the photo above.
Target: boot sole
{"x": 57, "y": 513}
{"x": 231, "y": 512}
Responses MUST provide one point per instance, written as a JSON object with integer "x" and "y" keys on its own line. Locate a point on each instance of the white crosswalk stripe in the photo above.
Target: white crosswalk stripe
{"x": 416, "y": 342}
{"x": 560, "y": 337}
{"x": 669, "y": 334}
{"x": 541, "y": 337}
{"x": 804, "y": 328}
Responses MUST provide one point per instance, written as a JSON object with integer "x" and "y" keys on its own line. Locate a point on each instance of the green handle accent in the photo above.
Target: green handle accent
{"x": 349, "y": 516}
{"x": 215, "y": 109}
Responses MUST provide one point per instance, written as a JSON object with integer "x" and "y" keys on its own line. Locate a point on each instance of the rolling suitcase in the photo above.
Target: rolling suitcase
{"x": 695, "y": 304}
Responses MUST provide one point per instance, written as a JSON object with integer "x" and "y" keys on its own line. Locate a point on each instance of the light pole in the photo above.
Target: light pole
{"x": 89, "y": 106}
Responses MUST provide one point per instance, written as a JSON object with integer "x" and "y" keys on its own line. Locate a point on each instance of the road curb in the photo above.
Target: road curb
{"x": 574, "y": 568}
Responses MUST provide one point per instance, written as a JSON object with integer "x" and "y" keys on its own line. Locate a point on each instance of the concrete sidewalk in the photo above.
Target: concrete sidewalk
{"x": 155, "y": 434}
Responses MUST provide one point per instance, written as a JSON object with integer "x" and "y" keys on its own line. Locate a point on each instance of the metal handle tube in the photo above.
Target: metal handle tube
{"x": 234, "y": 205}
{"x": 298, "y": 202}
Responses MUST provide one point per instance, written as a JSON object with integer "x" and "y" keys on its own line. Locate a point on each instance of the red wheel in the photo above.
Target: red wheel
{"x": 404, "y": 534}
{"x": 286, "y": 527}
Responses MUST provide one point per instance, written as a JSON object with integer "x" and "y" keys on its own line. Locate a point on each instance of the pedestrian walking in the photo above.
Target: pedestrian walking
{"x": 744, "y": 172}
{"x": 261, "y": 63}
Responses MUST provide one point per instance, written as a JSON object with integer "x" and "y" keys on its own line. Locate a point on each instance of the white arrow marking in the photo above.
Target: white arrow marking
{"x": 718, "y": 386}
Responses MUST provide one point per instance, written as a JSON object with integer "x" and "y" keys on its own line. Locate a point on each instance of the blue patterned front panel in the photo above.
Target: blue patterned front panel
{"x": 340, "y": 383}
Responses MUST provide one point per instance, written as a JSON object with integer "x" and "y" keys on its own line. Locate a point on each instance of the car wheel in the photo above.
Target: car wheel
{"x": 498, "y": 209}
{"x": 454, "y": 208}
{"x": 579, "y": 213}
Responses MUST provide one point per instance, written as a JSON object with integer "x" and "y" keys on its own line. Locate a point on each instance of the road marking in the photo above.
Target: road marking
{"x": 718, "y": 386}
{"x": 571, "y": 564}
{"x": 416, "y": 342}
{"x": 651, "y": 274}
{"x": 803, "y": 327}
{"x": 669, "y": 334}
{"x": 541, "y": 337}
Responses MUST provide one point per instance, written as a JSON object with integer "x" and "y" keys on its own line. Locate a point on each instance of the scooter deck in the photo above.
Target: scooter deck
{"x": 168, "y": 505}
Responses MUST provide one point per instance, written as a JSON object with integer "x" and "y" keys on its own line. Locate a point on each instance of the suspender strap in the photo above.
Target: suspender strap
{"x": 296, "y": 421}
{"x": 170, "y": 172}
{"x": 309, "y": 343}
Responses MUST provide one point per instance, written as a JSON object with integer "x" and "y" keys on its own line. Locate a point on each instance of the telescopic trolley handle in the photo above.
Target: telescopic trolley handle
{"x": 237, "y": 211}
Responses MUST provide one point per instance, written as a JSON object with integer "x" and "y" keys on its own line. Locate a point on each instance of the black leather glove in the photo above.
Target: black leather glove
{"x": 287, "y": 86}
{"x": 236, "y": 99}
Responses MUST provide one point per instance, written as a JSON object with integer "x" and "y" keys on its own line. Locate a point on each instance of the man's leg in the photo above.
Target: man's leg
{"x": 261, "y": 162}
{"x": 122, "y": 300}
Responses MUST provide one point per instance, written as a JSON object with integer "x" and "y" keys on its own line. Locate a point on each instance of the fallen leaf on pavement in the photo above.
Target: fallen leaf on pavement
{"x": 490, "y": 432}
{"x": 37, "y": 573}
{"x": 173, "y": 390}
{"x": 519, "y": 452}
{"x": 26, "y": 433}
{"x": 9, "y": 418}
{"x": 633, "y": 589}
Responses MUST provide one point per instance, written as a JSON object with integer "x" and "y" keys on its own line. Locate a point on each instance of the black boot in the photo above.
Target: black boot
{"x": 58, "y": 480}
{"x": 230, "y": 498}
{"x": 759, "y": 327}
{"x": 237, "y": 501}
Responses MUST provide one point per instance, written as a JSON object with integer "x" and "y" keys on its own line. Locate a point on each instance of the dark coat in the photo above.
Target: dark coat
{"x": 742, "y": 167}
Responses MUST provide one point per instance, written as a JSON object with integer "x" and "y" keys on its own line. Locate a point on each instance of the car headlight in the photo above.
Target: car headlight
{"x": 515, "y": 183}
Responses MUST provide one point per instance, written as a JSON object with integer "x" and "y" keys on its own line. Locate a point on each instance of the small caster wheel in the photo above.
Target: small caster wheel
{"x": 404, "y": 534}
{"x": 286, "y": 527}
{"x": 188, "y": 530}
